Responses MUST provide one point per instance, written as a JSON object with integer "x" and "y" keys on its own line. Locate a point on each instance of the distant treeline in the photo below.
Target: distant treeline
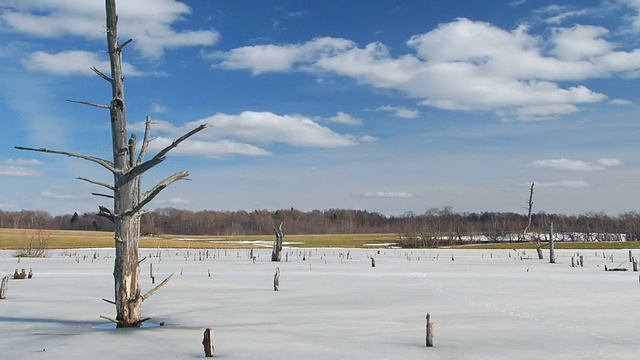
{"x": 436, "y": 222}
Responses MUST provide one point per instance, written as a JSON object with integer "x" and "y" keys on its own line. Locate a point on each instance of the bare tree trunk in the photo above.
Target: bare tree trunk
{"x": 277, "y": 246}
{"x": 552, "y": 250}
{"x": 3, "y": 287}
{"x": 535, "y": 240}
{"x": 207, "y": 342}
{"x": 276, "y": 280}
{"x": 127, "y": 172}
{"x": 429, "y": 331}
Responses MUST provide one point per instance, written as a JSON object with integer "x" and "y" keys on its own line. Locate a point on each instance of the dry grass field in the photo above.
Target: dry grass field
{"x": 16, "y": 239}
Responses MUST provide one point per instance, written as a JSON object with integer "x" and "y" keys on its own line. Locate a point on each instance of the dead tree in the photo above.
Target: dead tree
{"x": 429, "y": 331}
{"x": 277, "y": 246}
{"x": 127, "y": 171}
{"x": 536, "y": 240}
{"x": 3, "y": 287}
{"x": 207, "y": 342}
{"x": 552, "y": 250}
{"x": 276, "y": 280}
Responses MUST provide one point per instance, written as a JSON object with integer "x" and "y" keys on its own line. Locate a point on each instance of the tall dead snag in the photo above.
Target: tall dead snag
{"x": 277, "y": 246}
{"x": 127, "y": 170}
{"x": 536, "y": 241}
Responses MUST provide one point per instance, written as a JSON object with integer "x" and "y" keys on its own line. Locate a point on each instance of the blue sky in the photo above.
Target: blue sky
{"x": 387, "y": 106}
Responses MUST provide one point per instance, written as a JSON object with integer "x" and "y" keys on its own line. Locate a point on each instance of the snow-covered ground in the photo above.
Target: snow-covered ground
{"x": 484, "y": 304}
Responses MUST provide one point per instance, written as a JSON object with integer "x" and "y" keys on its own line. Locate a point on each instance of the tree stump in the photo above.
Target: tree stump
{"x": 276, "y": 280}
{"x": 373, "y": 262}
{"x": 3, "y": 287}
{"x": 429, "y": 331}
{"x": 207, "y": 342}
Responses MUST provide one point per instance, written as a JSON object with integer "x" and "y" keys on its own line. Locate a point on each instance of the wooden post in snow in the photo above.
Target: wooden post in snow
{"x": 429, "y": 331}
{"x": 630, "y": 256}
{"x": 153, "y": 279}
{"x": 373, "y": 262}
{"x": 207, "y": 342}
{"x": 276, "y": 280}
{"x": 552, "y": 250}
{"x": 3, "y": 287}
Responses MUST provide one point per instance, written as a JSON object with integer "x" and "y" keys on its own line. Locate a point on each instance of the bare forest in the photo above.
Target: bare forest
{"x": 435, "y": 227}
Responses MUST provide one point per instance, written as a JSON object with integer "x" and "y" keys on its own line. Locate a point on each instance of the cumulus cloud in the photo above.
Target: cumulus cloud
{"x": 149, "y": 22}
{"x": 282, "y": 58}
{"x": 388, "y": 195}
{"x": 576, "y": 165}
{"x": 10, "y": 170}
{"x": 72, "y": 63}
{"x": 399, "y": 111}
{"x": 463, "y": 65}
{"x": 248, "y": 132}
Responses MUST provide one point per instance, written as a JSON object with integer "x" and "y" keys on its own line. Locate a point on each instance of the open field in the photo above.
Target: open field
{"x": 485, "y": 304}
{"x": 12, "y": 239}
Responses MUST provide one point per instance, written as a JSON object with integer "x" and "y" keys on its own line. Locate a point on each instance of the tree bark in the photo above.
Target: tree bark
{"x": 3, "y": 287}
{"x": 276, "y": 280}
{"x": 276, "y": 254}
{"x": 429, "y": 331}
{"x": 526, "y": 229}
{"x": 207, "y": 342}
{"x": 552, "y": 250}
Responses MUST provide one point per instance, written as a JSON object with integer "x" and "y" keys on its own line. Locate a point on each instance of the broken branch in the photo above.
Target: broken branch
{"x": 88, "y": 103}
{"x": 155, "y": 289}
{"x": 105, "y": 163}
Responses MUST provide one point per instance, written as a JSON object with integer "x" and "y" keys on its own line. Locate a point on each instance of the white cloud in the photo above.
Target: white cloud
{"x": 157, "y": 108}
{"x": 213, "y": 149}
{"x": 620, "y": 102}
{"x": 52, "y": 195}
{"x": 580, "y": 42}
{"x": 388, "y": 195}
{"x": 610, "y": 162}
{"x": 72, "y": 62}
{"x": 464, "y": 65}
{"x": 173, "y": 201}
{"x": 17, "y": 171}
{"x": 344, "y": 118}
{"x": 400, "y": 111}
{"x": 23, "y": 162}
{"x": 567, "y": 184}
{"x": 234, "y": 134}
{"x": 148, "y": 22}
{"x": 267, "y": 127}
{"x": 576, "y": 165}
{"x": 282, "y": 58}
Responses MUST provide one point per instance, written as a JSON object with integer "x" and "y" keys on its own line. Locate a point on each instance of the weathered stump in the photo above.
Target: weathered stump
{"x": 552, "y": 250}
{"x": 635, "y": 265}
{"x": 3, "y": 287}
{"x": 429, "y": 331}
{"x": 276, "y": 280}
{"x": 373, "y": 262}
{"x": 207, "y": 342}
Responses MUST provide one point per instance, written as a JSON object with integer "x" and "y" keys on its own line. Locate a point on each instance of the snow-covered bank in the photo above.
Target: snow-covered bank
{"x": 485, "y": 305}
